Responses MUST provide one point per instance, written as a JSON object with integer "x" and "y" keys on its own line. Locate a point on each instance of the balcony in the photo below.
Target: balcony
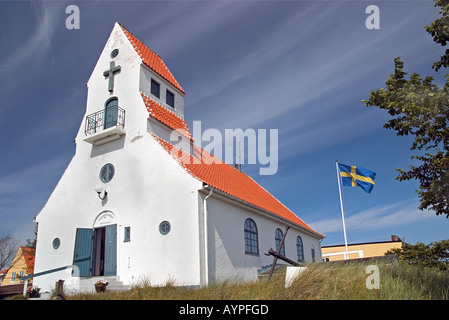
{"x": 105, "y": 125}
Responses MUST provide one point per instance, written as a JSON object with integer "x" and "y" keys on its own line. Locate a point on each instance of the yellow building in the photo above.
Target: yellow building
{"x": 22, "y": 265}
{"x": 359, "y": 250}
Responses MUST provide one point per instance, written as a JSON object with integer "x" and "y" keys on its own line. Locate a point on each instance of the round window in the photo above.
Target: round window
{"x": 56, "y": 243}
{"x": 107, "y": 172}
{"x": 164, "y": 227}
{"x": 114, "y": 53}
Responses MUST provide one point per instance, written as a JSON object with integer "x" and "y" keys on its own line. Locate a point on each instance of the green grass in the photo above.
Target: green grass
{"x": 321, "y": 281}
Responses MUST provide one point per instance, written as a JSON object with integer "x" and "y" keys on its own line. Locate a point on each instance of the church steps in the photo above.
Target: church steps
{"x": 87, "y": 284}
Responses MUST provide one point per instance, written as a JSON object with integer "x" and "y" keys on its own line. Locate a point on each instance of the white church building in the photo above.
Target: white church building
{"x": 133, "y": 205}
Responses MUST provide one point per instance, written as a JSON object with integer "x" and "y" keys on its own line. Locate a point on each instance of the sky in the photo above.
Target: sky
{"x": 301, "y": 67}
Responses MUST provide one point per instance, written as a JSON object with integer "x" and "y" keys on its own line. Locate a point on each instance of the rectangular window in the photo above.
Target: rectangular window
{"x": 155, "y": 89}
{"x": 13, "y": 276}
{"x": 127, "y": 237}
{"x": 170, "y": 99}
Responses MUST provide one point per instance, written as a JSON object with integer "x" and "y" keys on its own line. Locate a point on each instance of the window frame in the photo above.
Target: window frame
{"x": 158, "y": 86}
{"x": 277, "y": 241}
{"x": 56, "y": 243}
{"x": 168, "y": 92}
{"x": 251, "y": 236}
{"x": 127, "y": 234}
{"x": 107, "y": 172}
{"x": 300, "y": 249}
{"x": 164, "y": 227}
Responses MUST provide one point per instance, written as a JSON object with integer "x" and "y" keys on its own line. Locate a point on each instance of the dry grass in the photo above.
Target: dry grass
{"x": 319, "y": 282}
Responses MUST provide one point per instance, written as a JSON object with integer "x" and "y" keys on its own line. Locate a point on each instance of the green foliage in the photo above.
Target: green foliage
{"x": 420, "y": 108}
{"x": 433, "y": 255}
{"x": 439, "y": 30}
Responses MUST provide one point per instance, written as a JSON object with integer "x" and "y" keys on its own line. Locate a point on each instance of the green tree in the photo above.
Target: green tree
{"x": 31, "y": 243}
{"x": 433, "y": 255}
{"x": 421, "y": 108}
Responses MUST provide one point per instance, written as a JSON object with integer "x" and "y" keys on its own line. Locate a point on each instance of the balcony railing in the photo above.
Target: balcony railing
{"x": 107, "y": 118}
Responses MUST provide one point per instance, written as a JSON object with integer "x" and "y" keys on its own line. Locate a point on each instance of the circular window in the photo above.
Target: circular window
{"x": 56, "y": 243}
{"x": 114, "y": 53}
{"x": 164, "y": 227}
{"x": 107, "y": 172}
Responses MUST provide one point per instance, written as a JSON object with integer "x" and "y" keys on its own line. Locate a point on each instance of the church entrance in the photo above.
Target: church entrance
{"x": 99, "y": 248}
{"x": 96, "y": 251}
{"x": 104, "y": 262}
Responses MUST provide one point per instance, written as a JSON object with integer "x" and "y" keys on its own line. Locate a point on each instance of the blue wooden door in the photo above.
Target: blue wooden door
{"x": 110, "y": 253}
{"x": 83, "y": 250}
{"x": 111, "y": 113}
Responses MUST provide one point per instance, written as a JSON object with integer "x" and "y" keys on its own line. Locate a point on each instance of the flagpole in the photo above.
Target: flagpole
{"x": 342, "y": 211}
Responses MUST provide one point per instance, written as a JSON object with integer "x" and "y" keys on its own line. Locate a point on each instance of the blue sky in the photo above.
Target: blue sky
{"x": 302, "y": 67}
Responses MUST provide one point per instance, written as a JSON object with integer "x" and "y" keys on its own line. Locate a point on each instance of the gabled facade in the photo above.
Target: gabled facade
{"x": 133, "y": 206}
{"x": 22, "y": 265}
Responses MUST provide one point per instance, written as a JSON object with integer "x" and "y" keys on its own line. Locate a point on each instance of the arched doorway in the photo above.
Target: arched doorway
{"x": 96, "y": 248}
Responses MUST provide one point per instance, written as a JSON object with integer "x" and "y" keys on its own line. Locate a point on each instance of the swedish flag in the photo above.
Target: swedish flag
{"x": 355, "y": 176}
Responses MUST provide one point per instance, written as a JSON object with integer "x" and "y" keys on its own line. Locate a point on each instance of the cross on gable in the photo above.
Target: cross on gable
{"x": 110, "y": 73}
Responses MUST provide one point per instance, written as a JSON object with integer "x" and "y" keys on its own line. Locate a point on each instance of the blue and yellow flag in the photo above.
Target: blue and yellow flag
{"x": 355, "y": 176}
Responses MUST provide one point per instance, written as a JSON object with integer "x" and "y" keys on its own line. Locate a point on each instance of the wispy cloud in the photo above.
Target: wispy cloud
{"x": 396, "y": 214}
{"x": 33, "y": 49}
{"x": 39, "y": 41}
{"x": 293, "y": 75}
{"x": 23, "y": 194}
{"x": 19, "y": 182}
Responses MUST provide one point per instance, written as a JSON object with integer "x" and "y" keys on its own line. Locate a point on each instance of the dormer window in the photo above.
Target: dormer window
{"x": 170, "y": 99}
{"x": 155, "y": 89}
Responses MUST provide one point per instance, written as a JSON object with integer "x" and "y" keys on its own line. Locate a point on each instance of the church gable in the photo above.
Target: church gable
{"x": 152, "y": 60}
{"x": 126, "y": 66}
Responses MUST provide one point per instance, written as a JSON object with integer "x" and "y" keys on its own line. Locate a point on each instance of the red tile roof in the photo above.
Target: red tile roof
{"x": 165, "y": 116}
{"x": 151, "y": 59}
{"x": 228, "y": 179}
{"x": 28, "y": 255}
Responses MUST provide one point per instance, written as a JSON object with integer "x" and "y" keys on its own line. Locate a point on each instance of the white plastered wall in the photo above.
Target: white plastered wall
{"x": 227, "y": 257}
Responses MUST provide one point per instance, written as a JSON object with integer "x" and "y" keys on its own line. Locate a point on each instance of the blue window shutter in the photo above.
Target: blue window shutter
{"x": 110, "y": 254}
{"x": 83, "y": 250}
